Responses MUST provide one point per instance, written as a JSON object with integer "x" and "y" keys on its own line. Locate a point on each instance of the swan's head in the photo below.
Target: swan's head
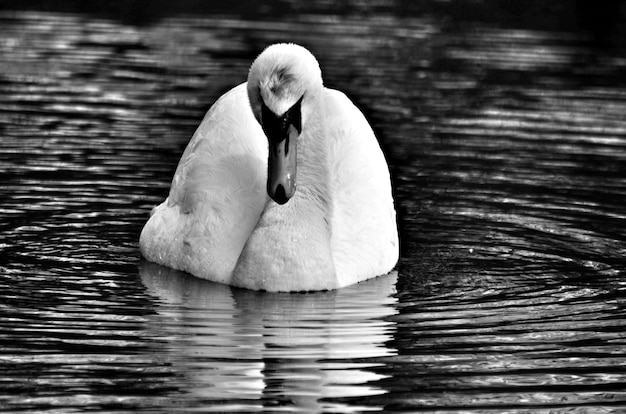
{"x": 283, "y": 85}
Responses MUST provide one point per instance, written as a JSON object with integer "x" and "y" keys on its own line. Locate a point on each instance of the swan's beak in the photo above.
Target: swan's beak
{"x": 282, "y": 132}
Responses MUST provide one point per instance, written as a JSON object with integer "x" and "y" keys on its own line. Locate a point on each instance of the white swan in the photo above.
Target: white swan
{"x": 329, "y": 220}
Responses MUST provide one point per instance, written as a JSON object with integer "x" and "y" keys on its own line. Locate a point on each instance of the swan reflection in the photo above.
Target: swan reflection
{"x": 265, "y": 349}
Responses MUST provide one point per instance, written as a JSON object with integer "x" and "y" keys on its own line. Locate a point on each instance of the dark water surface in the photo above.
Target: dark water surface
{"x": 505, "y": 129}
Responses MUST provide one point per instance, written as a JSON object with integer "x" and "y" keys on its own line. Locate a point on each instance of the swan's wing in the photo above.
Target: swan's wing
{"x": 364, "y": 231}
{"x": 217, "y": 194}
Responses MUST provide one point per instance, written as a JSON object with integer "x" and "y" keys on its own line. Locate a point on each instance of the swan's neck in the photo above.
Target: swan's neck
{"x": 311, "y": 204}
{"x": 313, "y": 193}
{"x": 292, "y": 241}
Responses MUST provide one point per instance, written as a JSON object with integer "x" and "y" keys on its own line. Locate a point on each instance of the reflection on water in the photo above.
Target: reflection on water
{"x": 256, "y": 348}
{"x": 504, "y": 131}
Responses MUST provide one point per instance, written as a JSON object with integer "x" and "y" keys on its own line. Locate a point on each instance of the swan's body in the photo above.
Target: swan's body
{"x": 218, "y": 223}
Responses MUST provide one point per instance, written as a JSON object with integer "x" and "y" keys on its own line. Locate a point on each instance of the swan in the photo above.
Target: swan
{"x": 283, "y": 187}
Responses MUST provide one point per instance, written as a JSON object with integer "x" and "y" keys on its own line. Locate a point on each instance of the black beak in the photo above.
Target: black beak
{"x": 282, "y": 132}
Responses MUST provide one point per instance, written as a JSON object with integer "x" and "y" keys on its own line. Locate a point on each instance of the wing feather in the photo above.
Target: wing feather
{"x": 217, "y": 194}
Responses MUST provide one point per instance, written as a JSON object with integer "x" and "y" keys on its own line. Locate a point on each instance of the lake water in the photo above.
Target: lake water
{"x": 505, "y": 131}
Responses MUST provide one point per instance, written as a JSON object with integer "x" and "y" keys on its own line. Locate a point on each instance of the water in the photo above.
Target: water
{"x": 505, "y": 132}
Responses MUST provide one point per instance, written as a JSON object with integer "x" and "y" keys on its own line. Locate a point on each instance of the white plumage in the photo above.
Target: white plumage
{"x": 218, "y": 223}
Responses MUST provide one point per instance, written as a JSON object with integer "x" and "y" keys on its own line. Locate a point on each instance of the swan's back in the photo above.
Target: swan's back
{"x": 217, "y": 194}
